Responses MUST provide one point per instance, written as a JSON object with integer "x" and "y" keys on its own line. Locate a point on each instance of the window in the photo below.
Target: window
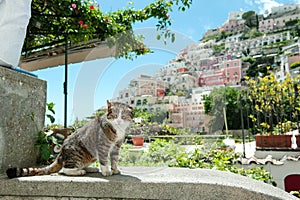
{"x": 145, "y": 102}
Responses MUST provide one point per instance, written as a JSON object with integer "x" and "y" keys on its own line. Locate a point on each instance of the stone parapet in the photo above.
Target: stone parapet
{"x": 142, "y": 183}
{"x": 22, "y": 115}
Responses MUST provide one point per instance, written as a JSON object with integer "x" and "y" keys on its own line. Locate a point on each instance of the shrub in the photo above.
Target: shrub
{"x": 168, "y": 153}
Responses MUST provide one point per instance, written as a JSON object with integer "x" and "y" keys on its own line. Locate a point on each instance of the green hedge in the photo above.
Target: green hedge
{"x": 295, "y": 65}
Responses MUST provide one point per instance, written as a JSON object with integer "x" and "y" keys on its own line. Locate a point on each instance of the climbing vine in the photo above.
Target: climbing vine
{"x": 83, "y": 20}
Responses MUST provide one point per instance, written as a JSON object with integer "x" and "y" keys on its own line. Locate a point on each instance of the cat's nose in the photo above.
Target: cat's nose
{"x": 119, "y": 121}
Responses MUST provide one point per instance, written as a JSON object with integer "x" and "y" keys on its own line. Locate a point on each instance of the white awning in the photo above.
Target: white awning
{"x": 77, "y": 53}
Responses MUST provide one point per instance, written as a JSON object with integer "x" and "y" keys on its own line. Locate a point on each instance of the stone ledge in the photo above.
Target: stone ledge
{"x": 142, "y": 183}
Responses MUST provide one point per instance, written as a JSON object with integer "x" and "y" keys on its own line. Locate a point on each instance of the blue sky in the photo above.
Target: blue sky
{"x": 91, "y": 83}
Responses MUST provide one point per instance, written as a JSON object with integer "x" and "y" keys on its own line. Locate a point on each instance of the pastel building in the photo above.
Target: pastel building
{"x": 225, "y": 70}
{"x": 190, "y": 113}
{"x": 142, "y": 86}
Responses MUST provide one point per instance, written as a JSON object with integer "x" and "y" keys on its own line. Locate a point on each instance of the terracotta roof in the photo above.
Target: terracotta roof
{"x": 268, "y": 159}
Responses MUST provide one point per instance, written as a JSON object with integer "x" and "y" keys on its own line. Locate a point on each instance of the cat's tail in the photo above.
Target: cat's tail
{"x": 19, "y": 172}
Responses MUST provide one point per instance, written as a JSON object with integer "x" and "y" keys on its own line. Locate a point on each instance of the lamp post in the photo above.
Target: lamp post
{"x": 296, "y": 92}
{"x": 66, "y": 82}
{"x": 224, "y": 113}
{"x": 242, "y": 124}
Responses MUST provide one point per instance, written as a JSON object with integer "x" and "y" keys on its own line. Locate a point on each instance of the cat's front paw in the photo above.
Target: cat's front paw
{"x": 115, "y": 171}
{"x": 105, "y": 171}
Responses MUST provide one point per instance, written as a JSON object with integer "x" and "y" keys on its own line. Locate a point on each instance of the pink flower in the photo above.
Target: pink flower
{"x": 85, "y": 26}
{"x": 92, "y": 7}
{"x": 74, "y": 5}
{"x": 80, "y": 22}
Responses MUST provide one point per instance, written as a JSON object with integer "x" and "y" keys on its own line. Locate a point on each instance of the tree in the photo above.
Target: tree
{"x": 137, "y": 112}
{"x": 53, "y": 21}
{"x": 253, "y": 33}
{"x": 259, "y": 66}
{"x": 250, "y": 18}
{"x": 219, "y": 98}
{"x": 273, "y": 102}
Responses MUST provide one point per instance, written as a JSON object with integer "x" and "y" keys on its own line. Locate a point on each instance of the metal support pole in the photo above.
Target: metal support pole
{"x": 66, "y": 82}
{"x": 242, "y": 123}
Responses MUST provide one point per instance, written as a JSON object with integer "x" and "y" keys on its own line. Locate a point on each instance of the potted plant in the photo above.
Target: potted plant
{"x": 281, "y": 138}
{"x": 138, "y": 140}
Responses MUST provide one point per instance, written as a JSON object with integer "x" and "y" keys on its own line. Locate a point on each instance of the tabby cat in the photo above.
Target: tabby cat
{"x": 100, "y": 139}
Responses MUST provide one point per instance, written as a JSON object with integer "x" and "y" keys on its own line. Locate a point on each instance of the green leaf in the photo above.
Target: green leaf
{"x": 45, "y": 152}
{"x": 158, "y": 36}
{"x": 173, "y": 37}
{"x": 50, "y": 107}
{"x": 51, "y": 118}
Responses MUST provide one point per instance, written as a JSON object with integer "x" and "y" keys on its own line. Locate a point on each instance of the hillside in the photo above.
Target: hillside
{"x": 246, "y": 44}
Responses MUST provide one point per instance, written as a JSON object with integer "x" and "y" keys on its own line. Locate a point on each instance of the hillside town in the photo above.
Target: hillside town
{"x": 223, "y": 57}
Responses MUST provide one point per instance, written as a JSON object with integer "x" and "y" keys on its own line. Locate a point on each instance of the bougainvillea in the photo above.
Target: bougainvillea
{"x": 83, "y": 20}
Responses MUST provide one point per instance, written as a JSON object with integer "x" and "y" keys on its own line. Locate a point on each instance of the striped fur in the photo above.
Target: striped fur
{"x": 99, "y": 139}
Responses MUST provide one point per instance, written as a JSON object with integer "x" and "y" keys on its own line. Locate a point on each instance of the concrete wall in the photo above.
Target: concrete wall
{"x": 21, "y": 96}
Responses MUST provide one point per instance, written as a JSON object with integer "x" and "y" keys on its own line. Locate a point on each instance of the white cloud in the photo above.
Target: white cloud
{"x": 266, "y": 5}
{"x": 249, "y": 2}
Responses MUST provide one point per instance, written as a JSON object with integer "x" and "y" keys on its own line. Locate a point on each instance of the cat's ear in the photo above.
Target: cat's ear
{"x": 108, "y": 103}
{"x": 109, "y": 110}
